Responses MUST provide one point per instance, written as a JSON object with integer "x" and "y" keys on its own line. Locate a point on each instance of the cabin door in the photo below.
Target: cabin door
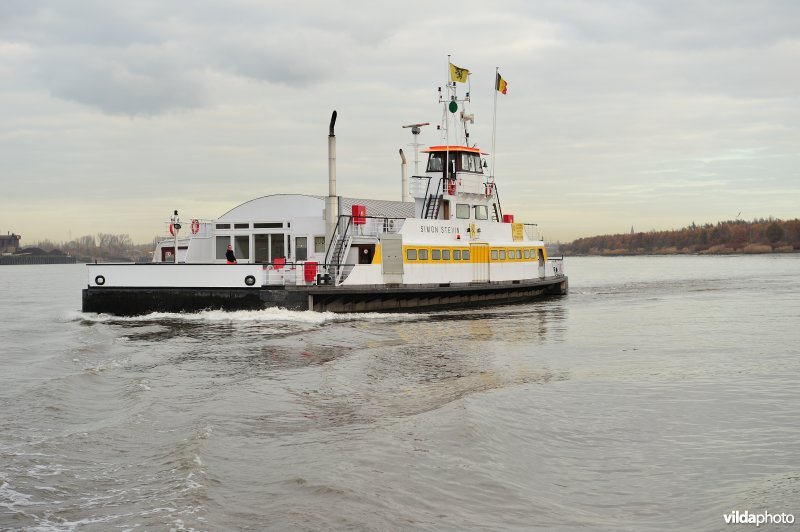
{"x": 480, "y": 262}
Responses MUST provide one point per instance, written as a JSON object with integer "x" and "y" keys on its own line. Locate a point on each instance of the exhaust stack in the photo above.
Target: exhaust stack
{"x": 405, "y": 196}
{"x": 332, "y": 202}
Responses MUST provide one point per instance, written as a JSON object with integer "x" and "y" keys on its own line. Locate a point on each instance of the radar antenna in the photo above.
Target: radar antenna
{"x": 415, "y": 130}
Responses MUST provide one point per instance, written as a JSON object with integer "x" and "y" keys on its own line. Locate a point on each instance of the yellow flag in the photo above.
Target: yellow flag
{"x": 458, "y": 74}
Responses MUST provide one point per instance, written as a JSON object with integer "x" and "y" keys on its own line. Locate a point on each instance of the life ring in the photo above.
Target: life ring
{"x": 195, "y": 226}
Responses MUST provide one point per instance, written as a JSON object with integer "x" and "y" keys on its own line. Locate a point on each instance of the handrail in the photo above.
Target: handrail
{"x": 429, "y": 198}
{"x": 344, "y": 239}
{"x": 333, "y": 240}
{"x": 496, "y": 193}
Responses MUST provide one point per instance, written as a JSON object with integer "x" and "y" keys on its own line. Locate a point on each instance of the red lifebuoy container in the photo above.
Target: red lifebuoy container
{"x": 451, "y": 187}
{"x": 195, "y": 226}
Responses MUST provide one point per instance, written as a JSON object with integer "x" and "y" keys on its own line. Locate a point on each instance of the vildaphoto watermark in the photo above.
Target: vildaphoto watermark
{"x": 763, "y": 518}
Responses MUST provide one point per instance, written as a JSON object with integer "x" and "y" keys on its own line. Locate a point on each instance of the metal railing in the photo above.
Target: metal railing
{"x": 532, "y": 231}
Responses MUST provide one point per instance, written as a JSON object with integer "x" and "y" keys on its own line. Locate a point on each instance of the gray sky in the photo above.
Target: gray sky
{"x": 650, "y": 114}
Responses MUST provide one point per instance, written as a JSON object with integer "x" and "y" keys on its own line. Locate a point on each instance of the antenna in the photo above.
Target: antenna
{"x": 415, "y": 130}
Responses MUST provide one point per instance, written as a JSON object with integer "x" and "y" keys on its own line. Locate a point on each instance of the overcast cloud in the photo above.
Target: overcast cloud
{"x": 620, "y": 113}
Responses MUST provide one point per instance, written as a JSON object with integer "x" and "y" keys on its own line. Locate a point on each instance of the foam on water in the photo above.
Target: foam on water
{"x": 246, "y": 316}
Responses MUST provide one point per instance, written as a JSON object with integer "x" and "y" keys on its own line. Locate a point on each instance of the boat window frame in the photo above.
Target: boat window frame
{"x": 423, "y": 254}
{"x": 456, "y": 254}
{"x": 435, "y": 156}
{"x": 446, "y": 254}
{"x": 220, "y": 251}
{"x": 298, "y": 248}
{"x": 241, "y": 247}
{"x": 465, "y": 254}
{"x": 481, "y": 212}
{"x": 411, "y": 254}
{"x": 436, "y": 254}
{"x": 461, "y": 209}
{"x": 494, "y": 254}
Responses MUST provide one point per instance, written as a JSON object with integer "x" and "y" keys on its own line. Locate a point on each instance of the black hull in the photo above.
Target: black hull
{"x": 137, "y": 301}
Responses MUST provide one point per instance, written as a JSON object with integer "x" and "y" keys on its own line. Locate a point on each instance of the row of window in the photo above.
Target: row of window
{"x": 515, "y": 254}
{"x": 467, "y": 162}
{"x": 256, "y": 225}
{"x": 423, "y": 254}
{"x": 463, "y": 254}
{"x": 267, "y": 247}
{"x": 463, "y": 211}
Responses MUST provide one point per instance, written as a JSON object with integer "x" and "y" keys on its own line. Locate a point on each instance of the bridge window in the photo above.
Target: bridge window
{"x": 471, "y": 162}
{"x": 435, "y": 162}
{"x": 462, "y": 211}
{"x": 481, "y": 213}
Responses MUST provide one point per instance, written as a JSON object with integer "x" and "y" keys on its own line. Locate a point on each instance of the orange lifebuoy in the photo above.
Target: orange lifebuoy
{"x": 195, "y": 226}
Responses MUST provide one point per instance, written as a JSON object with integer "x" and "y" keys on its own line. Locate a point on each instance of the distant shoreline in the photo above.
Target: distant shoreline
{"x": 716, "y": 250}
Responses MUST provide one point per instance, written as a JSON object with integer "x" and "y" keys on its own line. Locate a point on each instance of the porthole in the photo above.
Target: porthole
{"x": 249, "y": 280}
{"x": 99, "y": 280}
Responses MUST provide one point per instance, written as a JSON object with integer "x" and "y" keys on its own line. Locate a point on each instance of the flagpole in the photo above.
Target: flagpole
{"x": 447, "y": 126}
{"x": 494, "y": 118}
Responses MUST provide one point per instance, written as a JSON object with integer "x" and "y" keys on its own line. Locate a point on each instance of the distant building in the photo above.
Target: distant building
{"x": 9, "y": 243}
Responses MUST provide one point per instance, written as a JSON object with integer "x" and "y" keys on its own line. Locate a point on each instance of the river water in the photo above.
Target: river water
{"x": 660, "y": 394}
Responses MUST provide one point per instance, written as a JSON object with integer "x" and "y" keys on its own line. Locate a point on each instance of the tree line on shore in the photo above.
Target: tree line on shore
{"x": 102, "y": 246}
{"x": 732, "y": 236}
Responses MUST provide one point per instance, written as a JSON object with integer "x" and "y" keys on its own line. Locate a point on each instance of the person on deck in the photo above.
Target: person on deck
{"x": 230, "y": 256}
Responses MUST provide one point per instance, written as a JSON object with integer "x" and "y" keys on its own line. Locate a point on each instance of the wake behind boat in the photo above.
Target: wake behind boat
{"x": 446, "y": 243}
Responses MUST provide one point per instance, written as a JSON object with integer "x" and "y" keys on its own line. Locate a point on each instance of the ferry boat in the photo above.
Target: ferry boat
{"x": 446, "y": 243}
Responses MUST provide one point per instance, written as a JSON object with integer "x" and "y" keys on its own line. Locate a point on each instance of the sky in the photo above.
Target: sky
{"x": 619, "y": 114}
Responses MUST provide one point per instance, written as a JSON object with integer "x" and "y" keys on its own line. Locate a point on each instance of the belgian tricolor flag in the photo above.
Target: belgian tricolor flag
{"x": 501, "y": 84}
